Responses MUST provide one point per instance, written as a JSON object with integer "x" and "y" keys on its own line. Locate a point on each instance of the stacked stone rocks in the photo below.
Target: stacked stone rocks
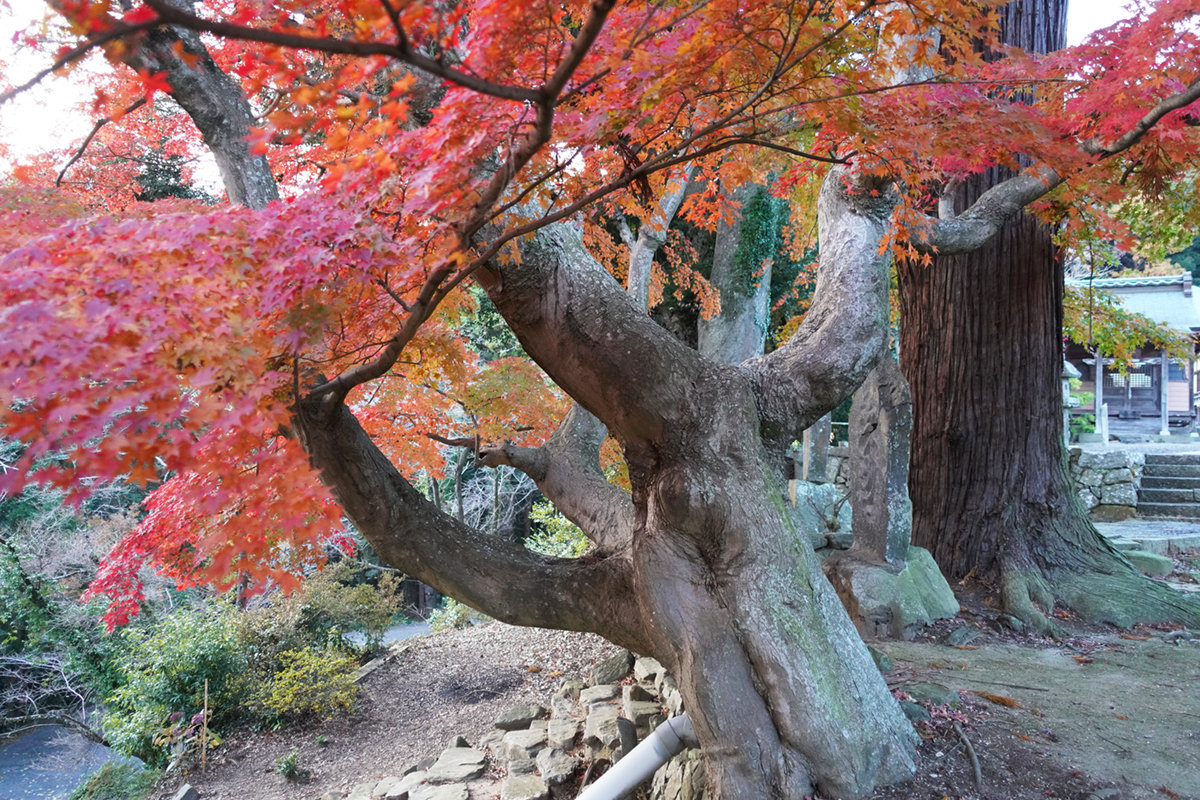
{"x": 1108, "y": 481}
{"x": 534, "y": 748}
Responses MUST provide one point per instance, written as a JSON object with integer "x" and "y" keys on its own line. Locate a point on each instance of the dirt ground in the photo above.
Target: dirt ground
{"x": 1103, "y": 715}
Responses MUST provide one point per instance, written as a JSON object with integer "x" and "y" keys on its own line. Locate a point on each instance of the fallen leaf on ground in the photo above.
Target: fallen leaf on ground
{"x": 1022, "y": 736}
{"x": 999, "y": 700}
{"x": 966, "y": 647}
{"x": 1135, "y": 638}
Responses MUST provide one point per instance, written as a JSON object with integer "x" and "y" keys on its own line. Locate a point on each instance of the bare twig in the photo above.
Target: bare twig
{"x": 134, "y": 106}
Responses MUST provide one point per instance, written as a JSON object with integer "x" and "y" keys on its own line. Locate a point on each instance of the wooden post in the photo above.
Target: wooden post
{"x": 204, "y": 732}
{"x": 1165, "y": 394}
{"x": 1101, "y": 423}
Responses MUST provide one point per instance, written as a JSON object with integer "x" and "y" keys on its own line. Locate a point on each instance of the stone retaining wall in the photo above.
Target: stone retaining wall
{"x": 1107, "y": 481}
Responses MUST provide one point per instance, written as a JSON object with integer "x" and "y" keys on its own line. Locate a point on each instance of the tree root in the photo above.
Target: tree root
{"x": 970, "y": 753}
{"x": 1123, "y": 598}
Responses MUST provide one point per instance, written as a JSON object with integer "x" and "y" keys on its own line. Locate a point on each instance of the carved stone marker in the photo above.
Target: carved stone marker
{"x": 880, "y": 429}
{"x": 888, "y": 587}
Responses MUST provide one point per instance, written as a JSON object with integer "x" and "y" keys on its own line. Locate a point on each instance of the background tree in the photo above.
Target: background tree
{"x": 981, "y": 345}
{"x": 298, "y": 329}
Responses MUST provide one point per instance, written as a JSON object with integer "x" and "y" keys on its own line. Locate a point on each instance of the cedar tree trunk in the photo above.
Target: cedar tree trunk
{"x": 981, "y": 346}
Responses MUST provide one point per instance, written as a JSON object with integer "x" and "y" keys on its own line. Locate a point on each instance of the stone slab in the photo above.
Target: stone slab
{"x": 457, "y": 765}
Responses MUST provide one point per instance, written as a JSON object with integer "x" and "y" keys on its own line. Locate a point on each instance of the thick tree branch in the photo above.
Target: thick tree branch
{"x": 567, "y": 471}
{"x": 400, "y": 50}
{"x": 409, "y": 532}
{"x": 844, "y": 331}
{"x": 995, "y": 207}
{"x": 580, "y": 326}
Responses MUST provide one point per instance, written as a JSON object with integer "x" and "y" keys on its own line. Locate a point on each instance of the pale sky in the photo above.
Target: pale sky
{"x": 44, "y": 117}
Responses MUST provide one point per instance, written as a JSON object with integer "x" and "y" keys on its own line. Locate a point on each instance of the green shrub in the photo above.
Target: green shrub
{"x": 558, "y": 535}
{"x": 162, "y": 671}
{"x": 116, "y": 780}
{"x": 311, "y": 682}
{"x": 454, "y": 614}
{"x": 289, "y": 767}
{"x": 337, "y": 600}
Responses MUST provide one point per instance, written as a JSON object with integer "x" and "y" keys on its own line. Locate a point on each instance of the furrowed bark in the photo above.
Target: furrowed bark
{"x": 981, "y": 347}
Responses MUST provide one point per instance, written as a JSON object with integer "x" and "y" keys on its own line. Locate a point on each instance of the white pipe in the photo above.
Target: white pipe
{"x": 668, "y": 740}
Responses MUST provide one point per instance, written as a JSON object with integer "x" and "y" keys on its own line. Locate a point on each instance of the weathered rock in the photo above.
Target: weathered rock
{"x": 518, "y": 717}
{"x": 556, "y": 766}
{"x": 1088, "y": 499}
{"x": 402, "y": 788}
{"x": 384, "y": 785}
{"x": 612, "y": 669}
{"x": 326, "y": 796}
{"x": 886, "y": 603}
{"x": 1104, "y": 459}
{"x": 883, "y": 662}
{"x": 1119, "y": 494}
{"x": 820, "y": 509}
{"x": 1108, "y": 513}
{"x": 880, "y": 427}
{"x": 647, "y": 669}
{"x": 561, "y": 733}
{"x": 1150, "y": 563}
{"x": 491, "y": 740}
{"x": 186, "y": 792}
{"x": 841, "y": 539}
{"x": 1091, "y": 477}
{"x": 914, "y": 712}
{"x": 598, "y": 694}
{"x": 635, "y": 692}
{"x": 569, "y": 689}
{"x": 522, "y": 766}
{"x": 522, "y": 744}
{"x": 458, "y": 741}
{"x": 524, "y": 787}
{"x": 644, "y": 713}
{"x": 933, "y": 693}
{"x": 563, "y": 707}
{"x": 452, "y": 791}
{"x": 1119, "y": 476}
{"x": 457, "y": 766}
{"x": 681, "y": 779}
{"x": 601, "y": 726}
{"x": 960, "y": 636}
{"x": 423, "y": 765}
{"x": 362, "y": 791}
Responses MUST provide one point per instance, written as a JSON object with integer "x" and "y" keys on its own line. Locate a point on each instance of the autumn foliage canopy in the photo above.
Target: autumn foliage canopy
{"x": 412, "y": 142}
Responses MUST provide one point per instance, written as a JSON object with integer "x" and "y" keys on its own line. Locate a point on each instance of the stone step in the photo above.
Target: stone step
{"x": 1159, "y": 482}
{"x": 1172, "y": 470}
{"x": 1153, "y": 495}
{"x": 1173, "y": 458}
{"x": 1190, "y": 510}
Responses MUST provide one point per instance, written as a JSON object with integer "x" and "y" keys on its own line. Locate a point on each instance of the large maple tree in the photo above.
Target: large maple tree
{"x": 283, "y": 353}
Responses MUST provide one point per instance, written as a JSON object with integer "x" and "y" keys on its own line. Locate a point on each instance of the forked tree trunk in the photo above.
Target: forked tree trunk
{"x": 981, "y": 346}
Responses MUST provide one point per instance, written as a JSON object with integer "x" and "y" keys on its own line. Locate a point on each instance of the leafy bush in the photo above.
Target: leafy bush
{"x": 289, "y": 767}
{"x": 454, "y": 614}
{"x": 163, "y": 669}
{"x": 337, "y": 600}
{"x": 319, "y": 682}
{"x": 558, "y": 535}
{"x": 116, "y": 780}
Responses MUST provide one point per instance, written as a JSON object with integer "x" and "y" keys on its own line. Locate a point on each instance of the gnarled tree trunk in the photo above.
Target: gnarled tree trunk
{"x": 699, "y": 567}
{"x": 981, "y": 346}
